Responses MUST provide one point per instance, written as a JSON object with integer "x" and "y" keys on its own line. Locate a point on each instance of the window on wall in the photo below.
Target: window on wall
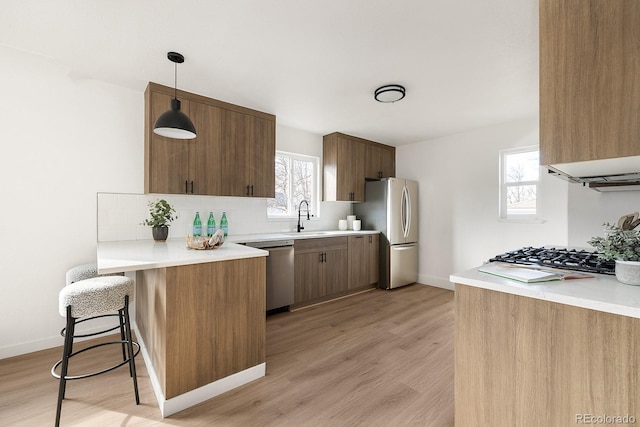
{"x": 519, "y": 183}
{"x": 296, "y": 180}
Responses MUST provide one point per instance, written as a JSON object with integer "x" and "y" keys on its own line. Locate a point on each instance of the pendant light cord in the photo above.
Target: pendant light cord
{"x": 175, "y": 80}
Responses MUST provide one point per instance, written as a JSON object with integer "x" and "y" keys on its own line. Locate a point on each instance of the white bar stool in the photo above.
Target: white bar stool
{"x": 89, "y": 296}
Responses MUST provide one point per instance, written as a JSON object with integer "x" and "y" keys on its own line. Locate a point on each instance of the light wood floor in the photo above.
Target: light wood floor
{"x": 381, "y": 358}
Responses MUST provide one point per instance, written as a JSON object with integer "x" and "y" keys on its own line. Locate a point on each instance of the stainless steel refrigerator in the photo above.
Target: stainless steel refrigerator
{"x": 391, "y": 207}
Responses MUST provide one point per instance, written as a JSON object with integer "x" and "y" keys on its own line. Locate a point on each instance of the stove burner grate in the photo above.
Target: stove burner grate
{"x": 568, "y": 259}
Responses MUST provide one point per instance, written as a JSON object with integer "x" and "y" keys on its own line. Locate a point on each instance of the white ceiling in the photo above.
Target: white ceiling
{"x": 314, "y": 64}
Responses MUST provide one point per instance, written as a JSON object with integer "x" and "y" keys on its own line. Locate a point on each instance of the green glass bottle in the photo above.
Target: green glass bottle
{"x": 197, "y": 225}
{"x": 224, "y": 225}
{"x": 211, "y": 225}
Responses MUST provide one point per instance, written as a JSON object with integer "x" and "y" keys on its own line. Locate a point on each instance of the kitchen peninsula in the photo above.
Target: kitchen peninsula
{"x": 200, "y": 315}
{"x": 551, "y": 353}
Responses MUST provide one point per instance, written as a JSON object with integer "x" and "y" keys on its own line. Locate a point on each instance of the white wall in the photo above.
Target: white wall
{"x": 64, "y": 141}
{"x": 589, "y": 210}
{"x": 458, "y": 188}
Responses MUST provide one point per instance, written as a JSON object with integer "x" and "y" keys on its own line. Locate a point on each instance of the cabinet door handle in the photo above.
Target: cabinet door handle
{"x": 324, "y": 256}
{"x": 186, "y": 188}
{"x": 321, "y": 256}
{"x": 370, "y": 239}
{"x": 248, "y": 193}
{"x": 252, "y": 189}
{"x": 191, "y": 187}
{"x": 379, "y": 174}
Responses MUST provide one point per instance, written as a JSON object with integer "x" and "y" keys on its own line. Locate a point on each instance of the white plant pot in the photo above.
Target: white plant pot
{"x": 628, "y": 272}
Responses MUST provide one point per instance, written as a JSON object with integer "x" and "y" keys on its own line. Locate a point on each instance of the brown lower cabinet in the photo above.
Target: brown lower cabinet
{"x": 202, "y": 322}
{"x": 330, "y": 267}
{"x": 522, "y": 361}
{"x": 320, "y": 268}
{"x": 363, "y": 261}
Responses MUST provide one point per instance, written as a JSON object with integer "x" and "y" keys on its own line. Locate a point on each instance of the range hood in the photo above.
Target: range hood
{"x": 618, "y": 174}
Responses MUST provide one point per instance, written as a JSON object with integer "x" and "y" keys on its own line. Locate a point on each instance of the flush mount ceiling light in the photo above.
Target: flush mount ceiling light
{"x": 174, "y": 123}
{"x": 389, "y": 93}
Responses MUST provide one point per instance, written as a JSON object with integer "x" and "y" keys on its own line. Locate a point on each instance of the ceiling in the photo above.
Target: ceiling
{"x": 314, "y": 64}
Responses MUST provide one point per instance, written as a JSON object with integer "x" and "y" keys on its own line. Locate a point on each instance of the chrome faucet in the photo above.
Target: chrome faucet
{"x": 300, "y": 227}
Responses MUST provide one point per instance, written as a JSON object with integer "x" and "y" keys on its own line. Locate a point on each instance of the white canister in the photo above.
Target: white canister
{"x": 350, "y": 219}
{"x": 357, "y": 225}
{"x": 342, "y": 224}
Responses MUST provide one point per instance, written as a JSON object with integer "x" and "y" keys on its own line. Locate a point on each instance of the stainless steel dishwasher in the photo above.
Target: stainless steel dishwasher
{"x": 279, "y": 273}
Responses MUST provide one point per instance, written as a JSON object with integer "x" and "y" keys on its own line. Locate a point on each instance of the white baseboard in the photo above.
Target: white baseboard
{"x": 435, "y": 281}
{"x": 191, "y": 398}
{"x": 57, "y": 340}
{"x": 19, "y": 349}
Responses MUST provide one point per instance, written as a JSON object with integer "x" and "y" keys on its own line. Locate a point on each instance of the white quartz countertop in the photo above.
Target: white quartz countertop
{"x": 132, "y": 255}
{"x": 264, "y": 237}
{"x": 602, "y": 292}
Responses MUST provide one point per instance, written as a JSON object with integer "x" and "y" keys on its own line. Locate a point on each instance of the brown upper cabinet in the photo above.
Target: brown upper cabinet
{"x": 589, "y": 85}
{"x": 348, "y": 161}
{"x": 232, "y": 154}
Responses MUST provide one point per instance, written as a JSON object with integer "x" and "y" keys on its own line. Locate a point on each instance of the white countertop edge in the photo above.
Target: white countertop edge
{"x": 557, "y": 291}
{"x": 263, "y": 237}
{"x": 116, "y": 257}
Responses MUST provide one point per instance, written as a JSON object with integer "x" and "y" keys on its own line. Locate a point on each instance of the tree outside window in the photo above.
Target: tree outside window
{"x": 519, "y": 179}
{"x": 296, "y": 180}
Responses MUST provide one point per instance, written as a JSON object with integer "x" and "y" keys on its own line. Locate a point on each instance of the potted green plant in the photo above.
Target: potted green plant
{"x": 161, "y": 213}
{"x": 623, "y": 247}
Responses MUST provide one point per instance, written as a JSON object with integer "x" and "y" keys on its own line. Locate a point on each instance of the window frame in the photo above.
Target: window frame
{"x": 503, "y": 214}
{"x": 315, "y": 188}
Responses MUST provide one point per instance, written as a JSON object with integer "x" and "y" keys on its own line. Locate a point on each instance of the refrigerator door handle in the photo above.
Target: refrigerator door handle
{"x": 403, "y": 248}
{"x": 406, "y": 211}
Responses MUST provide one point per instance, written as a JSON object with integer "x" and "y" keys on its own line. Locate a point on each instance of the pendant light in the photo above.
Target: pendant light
{"x": 174, "y": 123}
{"x": 389, "y": 93}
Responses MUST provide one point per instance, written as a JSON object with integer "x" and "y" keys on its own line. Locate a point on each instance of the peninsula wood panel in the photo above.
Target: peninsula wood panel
{"x": 151, "y": 317}
{"x": 202, "y": 322}
{"x": 521, "y": 361}
{"x": 589, "y": 86}
{"x": 215, "y": 321}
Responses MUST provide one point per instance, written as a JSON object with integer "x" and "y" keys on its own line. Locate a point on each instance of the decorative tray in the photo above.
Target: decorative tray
{"x": 205, "y": 243}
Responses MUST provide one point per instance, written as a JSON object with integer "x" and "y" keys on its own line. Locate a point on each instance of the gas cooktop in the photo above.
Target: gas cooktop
{"x": 563, "y": 258}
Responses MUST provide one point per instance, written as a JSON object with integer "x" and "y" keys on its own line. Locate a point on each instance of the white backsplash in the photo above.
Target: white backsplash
{"x": 120, "y": 215}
